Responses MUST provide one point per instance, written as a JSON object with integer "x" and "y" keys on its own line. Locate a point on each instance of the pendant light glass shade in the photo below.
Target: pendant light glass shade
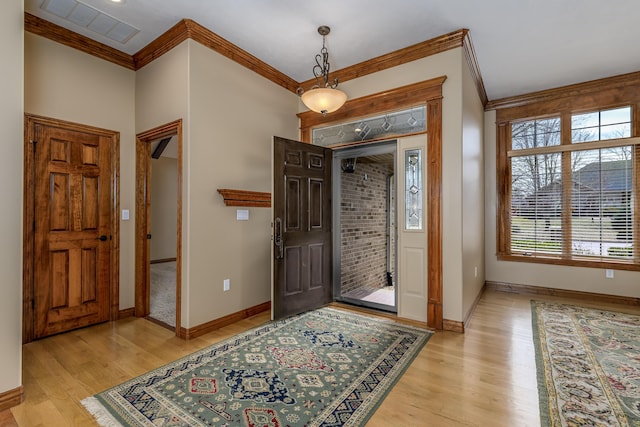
{"x": 324, "y": 100}
{"x": 324, "y": 97}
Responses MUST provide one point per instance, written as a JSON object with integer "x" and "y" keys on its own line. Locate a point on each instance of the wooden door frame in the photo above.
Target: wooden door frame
{"x": 28, "y": 223}
{"x": 429, "y": 93}
{"x": 143, "y": 218}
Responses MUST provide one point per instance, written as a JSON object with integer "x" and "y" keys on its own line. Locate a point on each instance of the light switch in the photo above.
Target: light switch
{"x": 242, "y": 215}
{"x": 125, "y": 214}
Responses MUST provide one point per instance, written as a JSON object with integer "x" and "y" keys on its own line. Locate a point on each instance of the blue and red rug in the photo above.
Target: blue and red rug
{"x": 322, "y": 368}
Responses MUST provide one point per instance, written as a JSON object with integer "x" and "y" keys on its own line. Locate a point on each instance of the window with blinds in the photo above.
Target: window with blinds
{"x": 572, "y": 197}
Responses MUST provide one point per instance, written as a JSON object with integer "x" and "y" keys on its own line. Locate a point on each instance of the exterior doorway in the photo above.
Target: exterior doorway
{"x": 159, "y": 225}
{"x": 365, "y": 243}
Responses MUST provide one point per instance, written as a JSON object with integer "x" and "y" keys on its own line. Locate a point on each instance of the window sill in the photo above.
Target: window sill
{"x": 572, "y": 262}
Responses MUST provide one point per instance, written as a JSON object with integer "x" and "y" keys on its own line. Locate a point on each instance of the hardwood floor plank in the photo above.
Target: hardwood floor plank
{"x": 485, "y": 377}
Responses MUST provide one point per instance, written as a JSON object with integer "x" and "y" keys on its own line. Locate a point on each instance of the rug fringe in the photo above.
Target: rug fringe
{"x": 99, "y": 412}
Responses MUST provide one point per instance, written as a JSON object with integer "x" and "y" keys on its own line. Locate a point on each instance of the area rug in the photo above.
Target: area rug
{"x": 322, "y": 368}
{"x": 588, "y": 365}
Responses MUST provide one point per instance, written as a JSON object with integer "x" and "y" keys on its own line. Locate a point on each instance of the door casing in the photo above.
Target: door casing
{"x": 29, "y": 185}
{"x": 143, "y": 220}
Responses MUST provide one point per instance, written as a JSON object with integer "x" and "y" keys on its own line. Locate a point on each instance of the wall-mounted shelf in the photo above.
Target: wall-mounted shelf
{"x": 245, "y": 198}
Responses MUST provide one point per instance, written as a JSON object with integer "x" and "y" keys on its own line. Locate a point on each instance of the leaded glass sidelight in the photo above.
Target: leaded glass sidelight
{"x": 413, "y": 189}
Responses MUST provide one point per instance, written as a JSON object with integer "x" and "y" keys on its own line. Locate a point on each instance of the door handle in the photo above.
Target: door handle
{"x": 277, "y": 238}
{"x": 102, "y": 238}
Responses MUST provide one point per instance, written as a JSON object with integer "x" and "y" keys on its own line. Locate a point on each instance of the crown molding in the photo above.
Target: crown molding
{"x": 570, "y": 91}
{"x": 470, "y": 56}
{"x": 162, "y": 44}
{"x": 44, "y": 28}
{"x": 402, "y": 56}
{"x": 189, "y": 29}
{"x": 214, "y": 42}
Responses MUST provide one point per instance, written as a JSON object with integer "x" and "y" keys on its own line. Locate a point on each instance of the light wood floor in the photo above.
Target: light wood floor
{"x": 485, "y": 377}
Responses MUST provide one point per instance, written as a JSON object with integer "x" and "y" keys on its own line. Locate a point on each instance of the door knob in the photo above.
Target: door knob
{"x": 102, "y": 238}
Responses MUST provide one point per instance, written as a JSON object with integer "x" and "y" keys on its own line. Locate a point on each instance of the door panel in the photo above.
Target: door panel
{"x": 302, "y": 230}
{"x": 72, "y": 210}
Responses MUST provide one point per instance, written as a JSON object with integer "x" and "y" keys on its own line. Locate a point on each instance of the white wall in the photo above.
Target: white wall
{"x": 11, "y": 164}
{"x": 447, "y": 64}
{"x": 66, "y": 84}
{"x": 164, "y": 207}
{"x": 625, "y": 283}
{"x": 234, "y": 112}
{"x": 472, "y": 201}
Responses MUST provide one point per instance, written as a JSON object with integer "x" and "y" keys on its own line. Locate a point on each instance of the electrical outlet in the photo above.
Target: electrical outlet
{"x": 608, "y": 274}
{"x": 226, "y": 285}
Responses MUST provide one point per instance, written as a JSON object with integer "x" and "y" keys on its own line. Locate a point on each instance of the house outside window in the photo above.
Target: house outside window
{"x": 568, "y": 186}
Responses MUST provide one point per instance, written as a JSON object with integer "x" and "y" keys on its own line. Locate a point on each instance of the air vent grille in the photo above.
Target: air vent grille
{"x": 91, "y": 18}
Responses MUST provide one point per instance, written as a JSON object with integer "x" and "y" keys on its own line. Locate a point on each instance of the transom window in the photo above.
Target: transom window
{"x": 572, "y": 188}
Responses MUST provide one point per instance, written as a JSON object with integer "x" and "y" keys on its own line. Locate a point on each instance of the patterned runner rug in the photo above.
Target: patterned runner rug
{"x": 588, "y": 364}
{"x": 322, "y": 368}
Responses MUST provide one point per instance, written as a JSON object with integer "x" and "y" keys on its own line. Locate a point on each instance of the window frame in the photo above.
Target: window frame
{"x": 564, "y": 102}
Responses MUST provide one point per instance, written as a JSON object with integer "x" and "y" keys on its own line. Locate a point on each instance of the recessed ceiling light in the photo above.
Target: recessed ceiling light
{"x": 118, "y": 1}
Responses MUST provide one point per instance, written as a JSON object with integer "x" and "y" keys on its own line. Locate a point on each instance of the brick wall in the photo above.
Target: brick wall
{"x": 363, "y": 222}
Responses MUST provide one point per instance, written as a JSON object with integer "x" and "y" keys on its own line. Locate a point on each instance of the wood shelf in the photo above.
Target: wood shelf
{"x": 245, "y": 198}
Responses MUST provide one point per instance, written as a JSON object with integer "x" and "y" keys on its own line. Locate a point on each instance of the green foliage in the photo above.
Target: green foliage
{"x": 616, "y": 251}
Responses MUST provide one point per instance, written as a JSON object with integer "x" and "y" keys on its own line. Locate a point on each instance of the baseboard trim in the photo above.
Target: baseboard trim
{"x": 204, "y": 328}
{"x": 127, "y": 312}
{"x": 11, "y": 398}
{"x": 452, "y": 326}
{"x": 539, "y": 290}
{"x": 160, "y": 261}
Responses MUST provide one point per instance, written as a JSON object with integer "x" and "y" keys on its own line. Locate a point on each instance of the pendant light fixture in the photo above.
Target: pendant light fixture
{"x": 324, "y": 97}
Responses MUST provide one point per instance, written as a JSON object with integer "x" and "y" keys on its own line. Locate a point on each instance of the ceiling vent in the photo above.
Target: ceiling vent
{"x": 91, "y": 18}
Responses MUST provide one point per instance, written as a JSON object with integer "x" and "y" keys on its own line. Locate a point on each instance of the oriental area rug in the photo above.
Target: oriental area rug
{"x": 322, "y": 368}
{"x": 588, "y": 365}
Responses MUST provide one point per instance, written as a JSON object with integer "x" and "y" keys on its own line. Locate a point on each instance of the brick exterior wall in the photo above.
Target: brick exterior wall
{"x": 363, "y": 223}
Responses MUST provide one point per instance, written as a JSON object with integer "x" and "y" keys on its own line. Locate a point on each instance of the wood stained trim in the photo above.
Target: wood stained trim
{"x": 539, "y": 290}
{"x": 41, "y": 27}
{"x": 143, "y": 220}
{"x": 622, "y": 82}
{"x": 453, "y": 326}
{"x": 434, "y": 214}
{"x": 402, "y": 56}
{"x": 394, "y": 99}
{"x": 11, "y": 398}
{"x": 245, "y": 198}
{"x": 229, "y": 319}
{"x": 127, "y": 312}
{"x": 474, "y": 67}
{"x": 190, "y": 29}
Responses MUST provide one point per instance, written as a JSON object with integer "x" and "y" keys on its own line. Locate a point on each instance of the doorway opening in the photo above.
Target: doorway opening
{"x": 164, "y": 180}
{"x": 159, "y": 225}
{"x": 365, "y": 243}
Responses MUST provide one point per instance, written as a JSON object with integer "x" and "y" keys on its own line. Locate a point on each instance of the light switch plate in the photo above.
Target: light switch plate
{"x": 125, "y": 214}
{"x": 242, "y": 215}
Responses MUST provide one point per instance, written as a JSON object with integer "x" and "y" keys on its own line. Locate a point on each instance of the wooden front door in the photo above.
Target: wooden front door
{"x": 72, "y": 228}
{"x": 302, "y": 227}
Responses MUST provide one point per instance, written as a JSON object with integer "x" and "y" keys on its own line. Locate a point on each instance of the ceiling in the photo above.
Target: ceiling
{"x": 521, "y": 45}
